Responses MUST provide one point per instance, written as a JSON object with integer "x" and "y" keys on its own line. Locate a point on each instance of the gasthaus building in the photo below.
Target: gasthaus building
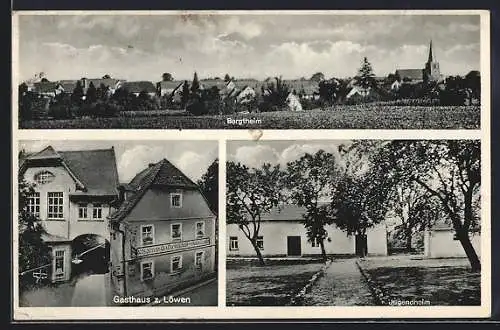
{"x": 74, "y": 194}
{"x": 162, "y": 234}
{"x": 282, "y": 234}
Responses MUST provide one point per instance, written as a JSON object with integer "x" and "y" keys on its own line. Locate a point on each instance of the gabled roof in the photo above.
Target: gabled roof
{"x": 139, "y": 86}
{"x": 68, "y": 85}
{"x": 413, "y": 74}
{"x": 45, "y": 87}
{"x": 209, "y": 83}
{"x": 161, "y": 174}
{"x": 170, "y": 85}
{"x": 94, "y": 171}
{"x": 286, "y": 212}
{"x": 308, "y": 86}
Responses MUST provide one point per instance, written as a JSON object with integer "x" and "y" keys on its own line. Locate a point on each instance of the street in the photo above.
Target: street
{"x": 203, "y": 295}
{"x": 90, "y": 291}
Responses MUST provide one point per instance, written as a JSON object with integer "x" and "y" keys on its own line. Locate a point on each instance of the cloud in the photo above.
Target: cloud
{"x": 135, "y": 159}
{"x": 255, "y": 156}
{"x": 192, "y": 164}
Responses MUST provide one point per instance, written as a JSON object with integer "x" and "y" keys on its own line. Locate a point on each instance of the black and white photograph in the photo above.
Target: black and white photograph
{"x": 353, "y": 223}
{"x": 117, "y": 223}
{"x": 249, "y": 70}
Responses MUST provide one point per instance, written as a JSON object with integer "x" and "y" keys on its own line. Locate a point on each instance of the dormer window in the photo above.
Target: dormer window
{"x": 44, "y": 177}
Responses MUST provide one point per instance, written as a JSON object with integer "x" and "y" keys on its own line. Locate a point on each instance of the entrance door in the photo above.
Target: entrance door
{"x": 293, "y": 246}
{"x": 361, "y": 245}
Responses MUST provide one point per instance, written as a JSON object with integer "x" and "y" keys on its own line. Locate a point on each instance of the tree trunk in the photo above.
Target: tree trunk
{"x": 408, "y": 240}
{"x": 259, "y": 255}
{"x": 475, "y": 263}
{"x": 323, "y": 252}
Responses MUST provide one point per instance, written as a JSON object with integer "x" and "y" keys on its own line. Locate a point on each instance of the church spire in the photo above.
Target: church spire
{"x": 431, "y": 56}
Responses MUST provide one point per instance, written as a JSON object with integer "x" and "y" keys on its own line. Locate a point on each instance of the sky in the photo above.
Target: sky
{"x": 192, "y": 157}
{"x": 142, "y": 47}
{"x": 256, "y": 153}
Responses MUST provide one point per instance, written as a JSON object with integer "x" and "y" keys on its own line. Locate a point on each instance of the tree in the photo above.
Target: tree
{"x": 449, "y": 170}
{"x": 167, "y": 77}
{"x": 77, "y": 95}
{"x": 106, "y": 76}
{"x": 311, "y": 179}
{"x": 91, "y": 96}
{"x": 365, "y": 77}
{"x": 209, "y": 186}
{"x": 185, "y": 93}
{"x": 195, "y": 85}
{"x": 274, "y": 98}
{"x": 328, "y": 90}
{"x": 250, "y": 194}
{"x": 473, "y": 83}
{"x": 33, "y": 251}
{"x": 318, "y": 76}
{"x": 227, "y": 78}
{"x": 44, "y": 80}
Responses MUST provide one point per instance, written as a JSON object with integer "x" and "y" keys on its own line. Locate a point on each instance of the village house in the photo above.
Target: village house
{"x": 162, "y": 235}
{"x": 137, "y": 87}
{"x": 293, "y": 102}
{"x": 47, "y": 89}
{"x": 73, "y": 196}
{"x": 168, "y": 88}
{"x": 306, "y": 89}
{"x": 440, "y": 241}
{"x": 282, "y": 234}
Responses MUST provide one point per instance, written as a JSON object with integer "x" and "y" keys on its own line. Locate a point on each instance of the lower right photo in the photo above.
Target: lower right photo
{"x": 353, "y": 223}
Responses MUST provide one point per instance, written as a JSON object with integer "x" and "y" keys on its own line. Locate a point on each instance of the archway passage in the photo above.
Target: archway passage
{"x": 90, "y": 255}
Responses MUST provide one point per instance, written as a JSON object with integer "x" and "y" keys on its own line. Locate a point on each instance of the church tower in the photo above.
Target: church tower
{"x": 431, "y": 71}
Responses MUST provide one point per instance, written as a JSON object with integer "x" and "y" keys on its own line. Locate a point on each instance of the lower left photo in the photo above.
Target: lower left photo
{"x": 117, "y": 223}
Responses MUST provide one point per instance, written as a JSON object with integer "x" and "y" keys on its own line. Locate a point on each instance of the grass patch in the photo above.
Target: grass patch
{"x": 451, "y": 283}
{"x": 363, "y": 116}
{"x": 274, "y": 284}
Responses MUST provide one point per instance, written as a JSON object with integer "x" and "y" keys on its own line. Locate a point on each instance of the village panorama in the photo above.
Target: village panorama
{"x": 225, "y": 72}
{"x": 353, "y": 223}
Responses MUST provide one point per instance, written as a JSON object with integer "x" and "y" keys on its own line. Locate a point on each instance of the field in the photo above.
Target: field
{"x": 439, "y": 281}
{"x": 272, "y": 285}
{"x": 337, "y": 117}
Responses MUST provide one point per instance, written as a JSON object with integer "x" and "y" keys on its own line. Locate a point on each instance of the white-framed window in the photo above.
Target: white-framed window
{"x": 59, "y": 264}
{"x": 233, "y": 243}
{"x": 175, "y": 264}
{"x": 176, "y": 200}
{"x": 147, "y": 235}
{"x": 198, "y": 259}
{"x": 147, "y": 270}
{"x": 97, "y": 211}
{"x": 33, "y": 204}
{"x": 176, "y": 232}
{"x": 83, "y": 211}
{"x": 44, "y": 177}
{"x": 260, "y": 242}
{"x": 55, "y": 205}
{"x": 200, "y": 229}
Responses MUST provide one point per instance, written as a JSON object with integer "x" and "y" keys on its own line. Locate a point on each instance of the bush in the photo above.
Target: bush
{"x": 60, "y": 111}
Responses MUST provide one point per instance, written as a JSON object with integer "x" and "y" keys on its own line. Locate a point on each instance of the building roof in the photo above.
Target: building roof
{"x": 170, "y": 85}
{"x": 45, "y": 87}
{"x": 285, "y": 212}
{"x": 209, "y": 83}
{"x": 161, "y": 174}
{"x": 94, "y": 170}
{"x": 68, "y": 85}
{"x": 413, "y": 74}
{"x": 139, "y": 86}
{"x": 308, "y": 86}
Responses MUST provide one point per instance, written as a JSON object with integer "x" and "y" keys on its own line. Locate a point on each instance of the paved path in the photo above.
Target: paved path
{"x": 341, "y": 285}
{"x": 90, "y": 291}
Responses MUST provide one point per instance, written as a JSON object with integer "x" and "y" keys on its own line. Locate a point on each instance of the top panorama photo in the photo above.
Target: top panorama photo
{"x": 233, "y": 70}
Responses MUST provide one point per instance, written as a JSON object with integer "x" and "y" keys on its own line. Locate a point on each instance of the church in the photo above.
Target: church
{"x": 430, "y": 73}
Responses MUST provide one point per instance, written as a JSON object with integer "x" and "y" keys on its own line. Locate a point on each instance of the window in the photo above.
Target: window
{"x": 198, "y": 259}
{"x": 59, "y": 264}
{"x": 176, "y": 231}
{"x": 96, "y": 211}
{"x": 82, "y": 211}
{"x": 260, "y": 242}
{"x": 175, "y": 264}
{"x": 33, "y": 204}
{"x": 147, "y": 235}
{"x": 314, "y": 242}
{"x": 176, "y": 200}
{"x": 55, "y": 205}
{"x": 147, "y": 270}
{"x": 200, "y": 229}
{"x": 233, "y": 243}
{"x": 44, "y": 177}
